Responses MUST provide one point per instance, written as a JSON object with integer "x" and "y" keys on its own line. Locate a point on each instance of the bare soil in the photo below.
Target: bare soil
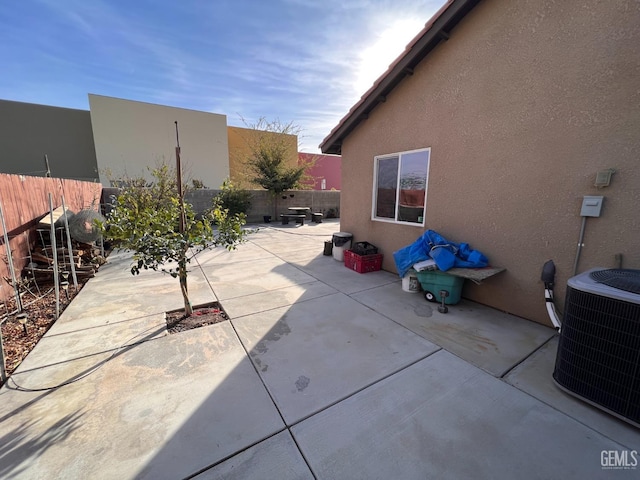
{"x": 17, "y": 339}
{"x": 202, "y": 316}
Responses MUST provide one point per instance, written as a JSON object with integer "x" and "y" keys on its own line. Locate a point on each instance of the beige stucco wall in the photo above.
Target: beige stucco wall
{"x": 523, "y": 105}
{"x": 131, "y": 136}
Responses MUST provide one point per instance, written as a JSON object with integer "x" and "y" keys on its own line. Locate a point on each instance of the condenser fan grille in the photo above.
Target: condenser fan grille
{"x": 622, "y": 279}
{"x": 598, "y": 356}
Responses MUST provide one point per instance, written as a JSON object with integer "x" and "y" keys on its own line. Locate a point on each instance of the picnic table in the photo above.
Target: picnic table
{"x": 299, "y": 210}
{"x": 296, "y": 213}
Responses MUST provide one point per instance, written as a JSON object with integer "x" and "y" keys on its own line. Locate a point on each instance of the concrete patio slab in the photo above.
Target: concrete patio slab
{"x": 246, "y": 252}
{"x": 489, "y": 339}
{"x": 334, "y": 273}
{"x": 247, "y": 278}
{"x": 166, "y": 408}
{"x": 535, "y": 377}
{"x": 313, "y": 354}
{"x": 260, "y": 302}
{"x": 355, "y": 376}
{"x": 70, "y": 340}
{"x": 443, "y": 418}
{"x": 301, "y": 257}
{"x": 294, "y": 243}
{"x": 118, "y": 293}
{"x": 276, "y": 457}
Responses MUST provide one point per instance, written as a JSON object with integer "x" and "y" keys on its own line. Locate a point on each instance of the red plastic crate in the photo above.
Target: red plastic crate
{"x": 362, "y": 263}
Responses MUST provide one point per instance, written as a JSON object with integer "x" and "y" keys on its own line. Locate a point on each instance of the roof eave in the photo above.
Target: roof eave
{"x": 435, "y": 31}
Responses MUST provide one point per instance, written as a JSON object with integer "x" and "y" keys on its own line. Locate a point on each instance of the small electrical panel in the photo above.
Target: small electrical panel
{"x": 591, "y": 206}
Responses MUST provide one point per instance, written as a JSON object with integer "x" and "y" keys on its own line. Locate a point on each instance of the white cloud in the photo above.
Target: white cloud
{"x": 306, "y": 61}
{"x": 390, "y": 43}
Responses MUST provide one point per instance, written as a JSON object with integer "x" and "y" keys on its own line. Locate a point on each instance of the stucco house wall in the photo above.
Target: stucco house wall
{"x": 521, "y": 107}
{"x": 131, "y": 136}
{"x": 28, "y": 132}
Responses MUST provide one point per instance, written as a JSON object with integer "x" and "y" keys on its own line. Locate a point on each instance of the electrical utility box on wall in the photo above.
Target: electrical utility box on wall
{"x": 591, "y": 206}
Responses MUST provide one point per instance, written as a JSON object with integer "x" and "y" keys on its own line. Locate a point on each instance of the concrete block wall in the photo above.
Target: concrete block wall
{"x": 326, "y": 202}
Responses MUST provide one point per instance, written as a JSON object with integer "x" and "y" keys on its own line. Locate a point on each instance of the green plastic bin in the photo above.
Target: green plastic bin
{"x": 434, "y": 281}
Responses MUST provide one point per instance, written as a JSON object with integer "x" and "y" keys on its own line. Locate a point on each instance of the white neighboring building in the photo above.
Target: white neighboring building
{"x": 131, "y": 136}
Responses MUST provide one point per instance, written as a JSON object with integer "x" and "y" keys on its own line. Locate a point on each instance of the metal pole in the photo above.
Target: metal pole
{"x": 580, "y": 245}
{"x": 46, "y": 164}
{"x": 69, "y": 246}
{"x": 3, "y": 371}
{"x": 56, "y": 280}
{"x": 6, "y": 309}
{"x": 31, "y": 262}
{"x": 7, "y": 247}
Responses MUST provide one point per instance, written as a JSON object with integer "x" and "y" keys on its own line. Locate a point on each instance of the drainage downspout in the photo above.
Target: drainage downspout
{"x": 548, "y": 277}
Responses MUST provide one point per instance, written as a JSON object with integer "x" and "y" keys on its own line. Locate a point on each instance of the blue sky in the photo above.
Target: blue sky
{"x": 306, "y": 61}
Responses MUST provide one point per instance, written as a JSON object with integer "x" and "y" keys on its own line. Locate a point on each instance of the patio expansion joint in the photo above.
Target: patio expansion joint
{"x": 288, "y": 427}
{"x": 195, "y": 257}
{"x": 230, "y": 456}
{"x": 293, "y": 265}
{"x": 526, "y": 357}
{"x": 275, "y": 405}
{"x": 386, "y": 316}
{"x": 298, "y": 302}
{"x": 391, "y": 282}
{"x": 114, "y": 352}
{"x": 577, "y": 420}
{"x": 282, "y": 230}
{"x": 574, "y": 418}
{"x": 106, "y": 325}
{"x": 381, "y": 379}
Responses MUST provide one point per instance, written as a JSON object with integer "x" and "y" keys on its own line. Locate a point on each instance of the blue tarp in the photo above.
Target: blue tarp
{"x": 446, "y": 254}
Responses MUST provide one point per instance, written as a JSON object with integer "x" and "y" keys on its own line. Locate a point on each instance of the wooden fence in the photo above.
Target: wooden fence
{"x": 25, "y": 200}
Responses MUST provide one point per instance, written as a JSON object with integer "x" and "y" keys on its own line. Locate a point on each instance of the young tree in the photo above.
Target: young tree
{"x": 268, "y": 159}
{"x": 146, "y": 219}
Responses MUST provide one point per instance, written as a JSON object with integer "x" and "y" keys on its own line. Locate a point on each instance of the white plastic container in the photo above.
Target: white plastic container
{"x": 341, "y": 242}
{"x": 410, "y": 282}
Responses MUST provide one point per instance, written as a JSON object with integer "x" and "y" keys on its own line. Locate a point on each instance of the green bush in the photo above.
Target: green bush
{"x": 233, "y": 198}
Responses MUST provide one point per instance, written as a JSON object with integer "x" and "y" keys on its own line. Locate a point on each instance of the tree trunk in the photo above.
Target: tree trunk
{"x": 182, "y": 274}
{"x": 275, "y": 207}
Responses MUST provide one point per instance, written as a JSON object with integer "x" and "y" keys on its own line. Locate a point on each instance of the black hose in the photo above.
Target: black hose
{"x": 549, "y": 277}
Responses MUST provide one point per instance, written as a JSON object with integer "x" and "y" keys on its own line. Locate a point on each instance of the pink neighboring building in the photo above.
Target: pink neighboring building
{"x": 326, "y": 172}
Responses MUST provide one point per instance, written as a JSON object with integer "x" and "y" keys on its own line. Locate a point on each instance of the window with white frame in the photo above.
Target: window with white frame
{"x": 400, "y": 187}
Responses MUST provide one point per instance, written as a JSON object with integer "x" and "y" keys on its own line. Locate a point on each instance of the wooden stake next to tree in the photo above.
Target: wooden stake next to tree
{"x": 182, "y": 263}
{"x": 179, "y": 180}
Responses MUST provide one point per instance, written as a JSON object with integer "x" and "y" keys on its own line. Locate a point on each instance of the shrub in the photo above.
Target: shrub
{"x": 233, "y": 198}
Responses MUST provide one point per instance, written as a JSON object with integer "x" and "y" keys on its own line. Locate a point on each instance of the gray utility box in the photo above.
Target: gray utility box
{"x": 591, "y": 206}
